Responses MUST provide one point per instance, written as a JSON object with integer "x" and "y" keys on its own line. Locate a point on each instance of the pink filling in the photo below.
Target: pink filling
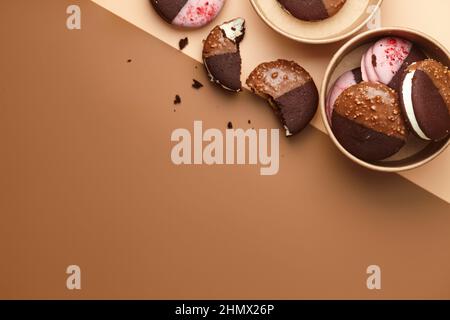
{"x": 197, "y": 13}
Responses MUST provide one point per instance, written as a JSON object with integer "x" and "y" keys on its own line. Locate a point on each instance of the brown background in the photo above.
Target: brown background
{"x": 86, "y": 179}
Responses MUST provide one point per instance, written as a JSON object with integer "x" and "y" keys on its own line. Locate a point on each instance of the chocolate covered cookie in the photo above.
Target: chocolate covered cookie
{"x": 221, "y": 54}
{"x": 289, "y": 89}
{"x": 425, "y": 99}
{"x": 312, "y": 10}
{"x": 188, "y": 13}
{"x": 367, "y": 121}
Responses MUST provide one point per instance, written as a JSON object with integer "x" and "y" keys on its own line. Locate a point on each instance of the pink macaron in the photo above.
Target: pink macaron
{"x": 345, "y": 81}
{"x": 387, "y": 60}
{"x": 369, "y": 66}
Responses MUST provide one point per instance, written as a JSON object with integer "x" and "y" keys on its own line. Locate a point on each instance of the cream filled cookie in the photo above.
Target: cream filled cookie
{"x": 425, "y": 99}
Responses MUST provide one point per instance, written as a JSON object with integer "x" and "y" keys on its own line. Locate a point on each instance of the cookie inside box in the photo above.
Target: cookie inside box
{"x": 416, "y": 151}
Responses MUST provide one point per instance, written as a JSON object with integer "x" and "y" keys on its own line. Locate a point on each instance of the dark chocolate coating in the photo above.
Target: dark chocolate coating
{"x": 357, "y": 75}
{"x": 307, "y": 10}
{"x": 226, "y": 69}
{"x": 362, "y": 142}
{"x": 168, "y": 9}
{"x": 297, "y": 107}
{"x": 415, "y": 55}
{"x": 367, "y": 121}
{"x": 290, "y": 90}
{"x": 221, "y": 54}
{"x": 429, "y": 107}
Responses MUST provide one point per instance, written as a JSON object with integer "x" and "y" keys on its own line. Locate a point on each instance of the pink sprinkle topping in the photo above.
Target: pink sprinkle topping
{"x": 198, "y": 12}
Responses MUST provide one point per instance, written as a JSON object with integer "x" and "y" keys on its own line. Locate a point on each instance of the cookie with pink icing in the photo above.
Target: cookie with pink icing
{"x": 367, "y": 67}
{"x": 387, "y": 60}
{"x": 188, "y": 13}
{"x": 345, "y": 81}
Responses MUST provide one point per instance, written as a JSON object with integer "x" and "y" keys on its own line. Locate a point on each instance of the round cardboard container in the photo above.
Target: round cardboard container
{"x": 353, "y": 16}
{"x": 416, "y": 152}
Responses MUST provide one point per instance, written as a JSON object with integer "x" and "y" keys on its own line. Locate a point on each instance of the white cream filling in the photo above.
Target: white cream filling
{"x": 233, "y": 29}
{"x": 288, "y": 133}
{"x": 408, "y": 104}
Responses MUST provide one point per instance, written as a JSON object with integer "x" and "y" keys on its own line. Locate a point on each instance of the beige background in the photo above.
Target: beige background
{"x": 87, "y": 180}
{"x": 264, "y": 44}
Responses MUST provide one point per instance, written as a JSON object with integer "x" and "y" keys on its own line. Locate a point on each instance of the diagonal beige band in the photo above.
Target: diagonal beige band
{"x": 263, "y": 44}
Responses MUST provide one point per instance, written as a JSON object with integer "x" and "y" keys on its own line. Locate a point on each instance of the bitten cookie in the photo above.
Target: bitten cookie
{"x": 367, "y": 121}
{"x": 387, "y": 60}
{"x": 221, "y": 55}
{"x": 312, "y": 10}
{"x": 345, "y": 81}
{"x": 425, "y": 99}
{"x": 289, "y": 89}
{"x": 188, "y": 13}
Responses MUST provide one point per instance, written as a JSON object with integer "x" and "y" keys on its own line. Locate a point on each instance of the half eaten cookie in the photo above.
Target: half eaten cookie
{"x": 290, "y": 90}
{"x": 221, "y": 54}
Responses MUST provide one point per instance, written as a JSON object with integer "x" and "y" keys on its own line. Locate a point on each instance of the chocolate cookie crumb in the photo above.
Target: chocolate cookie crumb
{"x": 249, "y": 122}
{"x": 129, "y": 61}
{"x": 230, "y": 125}
{"x": 197, "y": 84}
{"x": 177, "y": 99}
{"x": 183, "y": 43}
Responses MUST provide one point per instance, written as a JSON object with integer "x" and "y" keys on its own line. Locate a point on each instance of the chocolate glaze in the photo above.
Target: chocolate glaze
{"x": 221, "y": 54}
{"x": 374, "y": 106}
{"x": 430, "y": 97}
{"x": 431, "y": 111}
{"x": 217, "y": 43}
{"x": 225, "y": 69}
{"x": 297, "y": 107}
{"x": 414, "y": 55}
{"x": 168, "y": 9}
{"x": 312, "y": 10}
{"x": 357, "y": 74}
{"x": 333, "y": 6}
{"x": 367, "y": 121}
{"x": 276, "y": 78}
{"x": 290, "y": 90}
{"x": 439, "y": 74}
{"x": 364, "y": 143}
